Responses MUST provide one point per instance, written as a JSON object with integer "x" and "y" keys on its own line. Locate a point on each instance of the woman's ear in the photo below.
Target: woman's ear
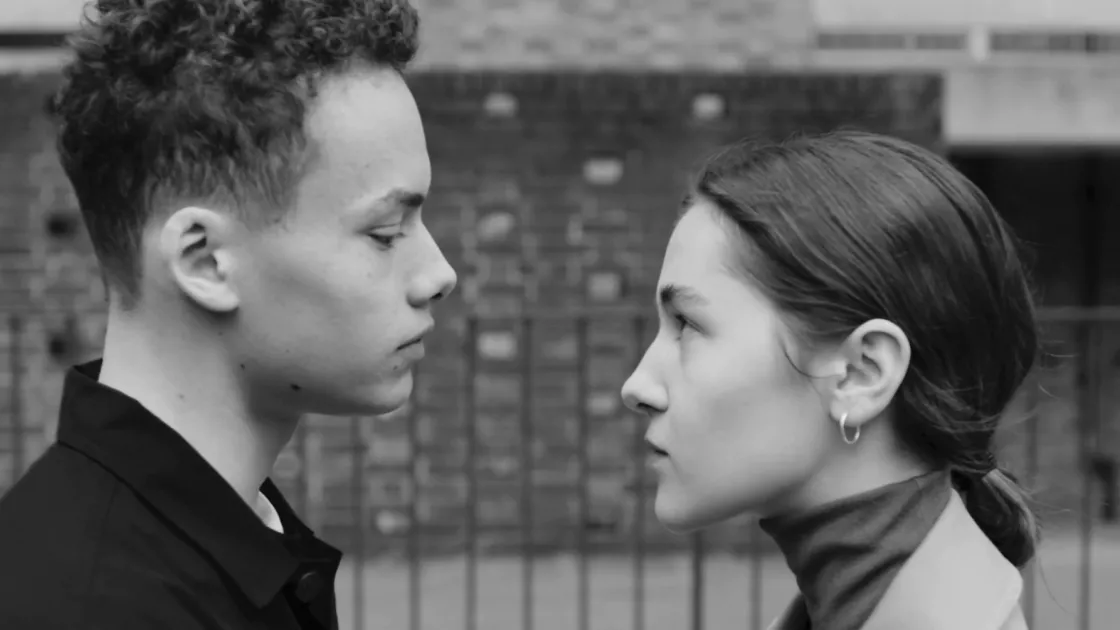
{"x": 875, "y": 357}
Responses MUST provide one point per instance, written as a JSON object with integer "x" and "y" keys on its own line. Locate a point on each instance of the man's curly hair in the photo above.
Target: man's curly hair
{"x": 175, "y": 100}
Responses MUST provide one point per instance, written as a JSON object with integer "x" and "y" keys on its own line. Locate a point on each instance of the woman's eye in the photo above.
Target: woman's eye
{"x": 386, "y": 239}
{"x": 683, "y": 324}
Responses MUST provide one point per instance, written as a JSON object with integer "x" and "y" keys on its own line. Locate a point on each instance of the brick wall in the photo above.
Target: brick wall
{"x": 553, "y": 195}
{"x": 51, "y": 277}
{"x": 45, "y": 281}
{"x": 556, "y": 181}
{"x": 632, "y": 34}
{"x": 520, "y": 211}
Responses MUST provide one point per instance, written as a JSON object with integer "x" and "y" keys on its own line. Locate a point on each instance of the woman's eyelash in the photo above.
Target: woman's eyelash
{"x": 386, "y": 240}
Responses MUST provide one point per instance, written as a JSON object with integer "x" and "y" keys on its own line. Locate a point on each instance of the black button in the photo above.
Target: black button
{"x": 308, "y": 586}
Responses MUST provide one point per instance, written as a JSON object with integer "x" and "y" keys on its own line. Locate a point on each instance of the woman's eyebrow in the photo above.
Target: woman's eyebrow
{"x": 676, "y": 296}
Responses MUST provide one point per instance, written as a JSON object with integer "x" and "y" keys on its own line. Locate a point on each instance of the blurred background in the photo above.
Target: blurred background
{"x": 512, "y": 493}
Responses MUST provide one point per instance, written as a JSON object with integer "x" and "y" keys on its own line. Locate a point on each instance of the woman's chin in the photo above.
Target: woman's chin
{"x": 679, "y": 517}
{"x": 683, "y": 515}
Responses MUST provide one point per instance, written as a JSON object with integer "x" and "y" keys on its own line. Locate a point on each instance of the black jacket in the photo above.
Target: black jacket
{"x": 122, "y": 525}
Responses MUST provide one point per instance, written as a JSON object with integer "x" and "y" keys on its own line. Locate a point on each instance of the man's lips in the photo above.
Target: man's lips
{"x": 416, "y": 339}
{"x": 655, "y": 449}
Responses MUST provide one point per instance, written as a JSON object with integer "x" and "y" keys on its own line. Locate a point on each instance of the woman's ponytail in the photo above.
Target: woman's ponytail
{"x": 1000, "y": 506}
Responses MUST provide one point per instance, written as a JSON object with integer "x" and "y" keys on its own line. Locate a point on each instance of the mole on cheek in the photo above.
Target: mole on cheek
{"x": 295, "y": 387}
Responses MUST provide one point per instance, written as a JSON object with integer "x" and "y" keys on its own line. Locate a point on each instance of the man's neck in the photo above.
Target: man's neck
{"x": 186, "y": 383}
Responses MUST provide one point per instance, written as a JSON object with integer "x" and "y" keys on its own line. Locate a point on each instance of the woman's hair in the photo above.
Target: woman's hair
{"x": 847, "y": 227}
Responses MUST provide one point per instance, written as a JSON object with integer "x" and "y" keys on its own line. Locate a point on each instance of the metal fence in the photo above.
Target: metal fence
{"x": 1079, "y": 358}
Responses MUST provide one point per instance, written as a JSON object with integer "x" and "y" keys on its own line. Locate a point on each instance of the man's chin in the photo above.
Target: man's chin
{"x": 386, "y": 398}
{"x": 376, "y": 400}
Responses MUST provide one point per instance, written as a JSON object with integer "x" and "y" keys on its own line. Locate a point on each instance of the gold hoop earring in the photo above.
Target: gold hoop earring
{"x": 844, "y": 430}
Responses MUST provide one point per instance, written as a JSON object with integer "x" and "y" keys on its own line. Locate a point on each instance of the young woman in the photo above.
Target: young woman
{"x": 843, "y": 319}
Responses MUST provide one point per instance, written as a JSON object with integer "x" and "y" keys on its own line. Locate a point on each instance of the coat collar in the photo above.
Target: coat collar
{"x": 165, "y": 471}
{"x": 955, "y": 579}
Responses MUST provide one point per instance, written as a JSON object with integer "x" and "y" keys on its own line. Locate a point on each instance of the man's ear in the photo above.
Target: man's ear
{"x": 875, "y": 359}
{"x": 194, "y": 243}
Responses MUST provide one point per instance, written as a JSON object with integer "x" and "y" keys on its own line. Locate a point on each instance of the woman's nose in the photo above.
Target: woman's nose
{"x": 643, "y": 393}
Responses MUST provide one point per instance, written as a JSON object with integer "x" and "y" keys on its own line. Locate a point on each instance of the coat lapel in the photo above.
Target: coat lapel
{"x": 955, "y": 579}
{"x": 794, "y": 617}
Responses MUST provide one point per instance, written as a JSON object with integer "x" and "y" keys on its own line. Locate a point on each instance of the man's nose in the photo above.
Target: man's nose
{"x": 437, "y": 279}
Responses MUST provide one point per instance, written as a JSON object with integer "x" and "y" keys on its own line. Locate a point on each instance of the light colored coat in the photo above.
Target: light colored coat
{"x": 955, "y": 579}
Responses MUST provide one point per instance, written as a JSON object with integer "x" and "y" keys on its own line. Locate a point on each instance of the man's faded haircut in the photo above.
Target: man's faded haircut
{"x": 203, "y": 100}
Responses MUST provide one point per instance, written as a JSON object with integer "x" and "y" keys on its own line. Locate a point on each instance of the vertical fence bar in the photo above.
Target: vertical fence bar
{"x": 583, "y": 594}
{"x": 1030, "y": 584}
{"x": 1088, "y": 410}
{"x": 357, "y": 449}
{"x": 756, "y": 578}
{"x": 697, "y": 596}
{"x": 639, "y": 454}
{"x": 414, "y": 566}
{"x": 303, "y": 493}
{"x": 470, "y": 351}
{"x": 527, "y": 474}
{"x": 1092, "y": 230}
{"x": 15, "y": 358}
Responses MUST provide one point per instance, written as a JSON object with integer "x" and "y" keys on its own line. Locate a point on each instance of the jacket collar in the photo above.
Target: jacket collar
{"x": 955, "y": 579}
{"x": 166, "y": 472}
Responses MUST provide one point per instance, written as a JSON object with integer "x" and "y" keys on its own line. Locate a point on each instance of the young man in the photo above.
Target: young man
{"x": 251, "y": 174}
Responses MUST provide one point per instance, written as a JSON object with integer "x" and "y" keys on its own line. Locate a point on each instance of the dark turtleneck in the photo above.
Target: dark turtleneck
{"x": 845, "y": 554}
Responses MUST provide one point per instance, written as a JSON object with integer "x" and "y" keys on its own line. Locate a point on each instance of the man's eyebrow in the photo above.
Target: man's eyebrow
{"x": 407, "y": 198}
{"x": 395, "y": 199}
{"x": 674, "y": 296}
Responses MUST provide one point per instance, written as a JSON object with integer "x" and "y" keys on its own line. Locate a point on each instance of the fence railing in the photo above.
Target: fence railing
{"x": 512, "y": 450}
